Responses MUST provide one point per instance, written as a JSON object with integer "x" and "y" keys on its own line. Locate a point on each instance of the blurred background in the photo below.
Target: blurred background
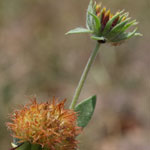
{"x": 37, "y": 59}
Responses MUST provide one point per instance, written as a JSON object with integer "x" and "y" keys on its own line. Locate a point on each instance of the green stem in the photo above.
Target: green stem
{"x": 84, "y": 76}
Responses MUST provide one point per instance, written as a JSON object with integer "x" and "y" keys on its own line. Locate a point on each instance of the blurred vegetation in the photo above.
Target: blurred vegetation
{"x": 36, "y": 58}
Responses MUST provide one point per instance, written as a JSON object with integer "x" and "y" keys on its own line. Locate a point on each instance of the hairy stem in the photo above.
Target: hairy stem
{"x": 84, "y": 76}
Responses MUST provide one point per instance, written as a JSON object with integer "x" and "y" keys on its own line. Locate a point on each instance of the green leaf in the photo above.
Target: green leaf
{"x": 131, "y": 23}
{"x": 96, "y": 24}
{"x": 119, "y": 26}
{"x": 36, "y": 147}
{"x": 125, "y": 36}
{"x": 109, "y": 23}
{"x": 133, "y": 33}
{"x": 24, "y": 146}
{"x": 138, "y": 34}
{"x": 117, "y": 29}
{"x": 89, "y": 18}
{"x": 97, "y": 38}
{"x": 79, "y": 30}
{"x": 123, "y": 15}
{"x": 85, "y": 111}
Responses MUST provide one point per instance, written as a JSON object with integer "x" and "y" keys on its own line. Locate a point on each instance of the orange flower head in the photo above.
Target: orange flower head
{"x": 48, "y": 124}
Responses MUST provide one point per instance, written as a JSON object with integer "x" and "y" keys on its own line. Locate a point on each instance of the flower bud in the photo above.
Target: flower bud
{"x": 106, "y": 27}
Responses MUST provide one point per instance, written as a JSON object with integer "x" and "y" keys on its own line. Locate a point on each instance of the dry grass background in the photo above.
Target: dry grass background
{"x": 36, "y": 58}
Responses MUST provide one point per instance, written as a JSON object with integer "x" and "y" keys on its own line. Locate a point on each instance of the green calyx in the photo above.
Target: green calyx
{"x": 106, "y": 27}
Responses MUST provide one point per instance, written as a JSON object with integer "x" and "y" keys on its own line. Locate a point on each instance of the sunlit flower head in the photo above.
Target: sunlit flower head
{"x": 48, "y": 124}
{"x": 106, "y": 27}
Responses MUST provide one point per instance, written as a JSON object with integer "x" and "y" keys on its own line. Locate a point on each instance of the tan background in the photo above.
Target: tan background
{"x": 36, "y": 58}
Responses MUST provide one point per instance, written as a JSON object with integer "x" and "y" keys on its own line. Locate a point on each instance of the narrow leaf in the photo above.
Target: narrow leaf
{"x": 97, "y": 38}
{"x": 25, "y": 146}
{"x": 79, "y": 30}
{"x": 131, "y": 23}
{"x": 130, "y": 34}
{"x": 119, "y": 26}
{"x": 97, "y": 22}
{"x": 36, "y": 147}
{"x": 138, "y": 34}
{"x": 117, "y": 29}
{"x": 122, "y": 16}
{"x": 89, "y": 19}
{"x": 85, "y": 111}
{"x": 125, "y": 36}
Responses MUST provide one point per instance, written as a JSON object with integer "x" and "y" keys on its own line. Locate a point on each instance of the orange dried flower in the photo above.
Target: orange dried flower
{"x": 48, "y": 124}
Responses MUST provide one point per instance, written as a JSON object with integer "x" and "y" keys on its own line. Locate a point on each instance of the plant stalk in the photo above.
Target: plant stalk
{"x": 84, "y": 76}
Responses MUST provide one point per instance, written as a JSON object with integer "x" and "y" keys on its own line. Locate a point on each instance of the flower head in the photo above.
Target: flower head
{"x": 105, "y": 26}
{"x": 48, "y": 124}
